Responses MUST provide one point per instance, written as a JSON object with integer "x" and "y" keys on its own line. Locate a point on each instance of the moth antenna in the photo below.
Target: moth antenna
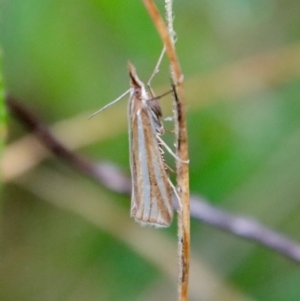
{"x": 110, "y": 104}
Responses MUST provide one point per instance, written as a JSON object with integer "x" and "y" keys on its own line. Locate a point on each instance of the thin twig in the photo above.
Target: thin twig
{"x": 111, "y": 177}
{"x": 166, "y": 35}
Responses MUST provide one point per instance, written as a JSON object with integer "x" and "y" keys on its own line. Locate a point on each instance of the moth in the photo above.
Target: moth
{"x": 151, "y": 196}
{"x": 151, "y": 199}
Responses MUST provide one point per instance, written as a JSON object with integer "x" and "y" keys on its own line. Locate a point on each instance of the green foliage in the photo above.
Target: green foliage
{"x": 68, "y": 58}
{"x": 3, "y": 125}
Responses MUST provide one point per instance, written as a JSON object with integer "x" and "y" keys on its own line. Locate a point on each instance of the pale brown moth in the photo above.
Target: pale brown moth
{"x": 151, "y": 197}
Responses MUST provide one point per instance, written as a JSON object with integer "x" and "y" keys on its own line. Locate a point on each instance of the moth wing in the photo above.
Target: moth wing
{"x": 151, "y": 200}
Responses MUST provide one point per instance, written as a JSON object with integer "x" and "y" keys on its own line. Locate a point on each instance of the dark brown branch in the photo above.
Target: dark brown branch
{"x": 103, "y": 173}
{"x": 244, "y": 227}
{"x": 111, "y": 177}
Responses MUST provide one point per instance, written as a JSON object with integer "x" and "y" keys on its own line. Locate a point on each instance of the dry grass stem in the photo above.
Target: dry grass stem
{"x": 166, "y": 35}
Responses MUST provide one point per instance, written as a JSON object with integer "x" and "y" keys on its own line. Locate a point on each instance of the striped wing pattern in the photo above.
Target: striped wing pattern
{"x": 151, "y": 200}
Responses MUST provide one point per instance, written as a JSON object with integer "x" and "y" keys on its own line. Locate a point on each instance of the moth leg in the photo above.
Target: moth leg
{"x": 169, "y": 131}
{"x": 169, "y": 168}
{"x": 176, "y": 194}
{"x": 170, "y": 151}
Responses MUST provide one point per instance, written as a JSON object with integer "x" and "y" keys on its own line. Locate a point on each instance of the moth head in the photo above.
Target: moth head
{"x": 136, "y": 83}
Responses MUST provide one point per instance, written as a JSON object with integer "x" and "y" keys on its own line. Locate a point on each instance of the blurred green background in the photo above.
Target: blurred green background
{"x": 66, "y": 238}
